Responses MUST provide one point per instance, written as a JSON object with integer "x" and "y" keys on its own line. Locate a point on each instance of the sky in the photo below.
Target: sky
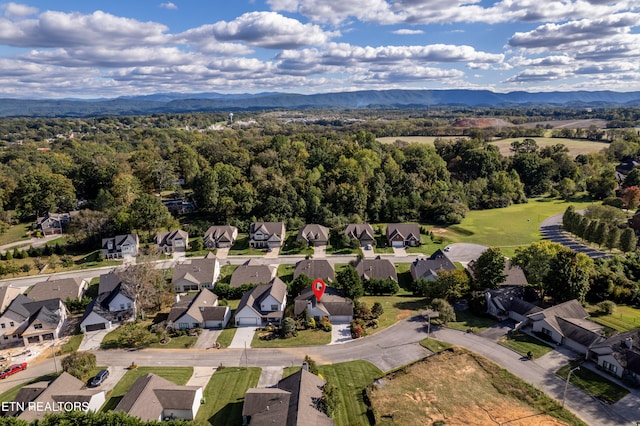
{"x": 105, "y": 49}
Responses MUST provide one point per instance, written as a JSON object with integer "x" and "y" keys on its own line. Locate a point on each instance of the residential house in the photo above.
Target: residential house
{"x": 196, "y": 274}
{"x": 220, "y": 236}
{"x": 63, "y": 289}
{"x": 267, "y": 235}
{"x": 198, "y": 310}
{"x": 508, "y": 302}
{"x": 403, "y": 234}
{"x": 54, "y": 223}
{"x": 113, "y": 305}
{"x": 619, "y": 355}
{"x": 332, "y": 304}
{"x": 314, "y": 269}
{"x": 262, "y": 305}
{"x": 514, "y": 275}
{"x": 27, "y": 321}
{"x": 64, "y": 389}
{"x": 363, "y": 232}
{"x": 120, "y": 246}
{"x": 179, "y": 206}
{"x": 293, "y": 402}
{"x": 172, "y": 241}
{"x": 252, "y": 272}
{"x": 429, "y": 267}
{"x": 314, "y": 235}
{"x": 378, "y": 268}
{"x": 152, "y": 398}
{"x": 565, "y": 324}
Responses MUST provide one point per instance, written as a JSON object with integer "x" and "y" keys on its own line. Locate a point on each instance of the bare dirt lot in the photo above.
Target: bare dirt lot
{"x": 457, "y": 388}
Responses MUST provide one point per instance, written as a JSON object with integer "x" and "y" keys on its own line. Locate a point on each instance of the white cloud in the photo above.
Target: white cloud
{"x": 168, "y": 5}
{"x": 408, "y": 32}
{"x": 15, "y": 10}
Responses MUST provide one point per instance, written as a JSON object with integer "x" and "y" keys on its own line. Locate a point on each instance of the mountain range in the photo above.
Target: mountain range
{"x": 367, "y": 99}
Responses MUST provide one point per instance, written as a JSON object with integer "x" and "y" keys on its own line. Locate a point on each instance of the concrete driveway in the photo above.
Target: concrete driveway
{"x": 464, "y": 252}
{"x": 207, "y": 339}
{"x": 270, "y": 376}
{"x": 368, "y": 254}
{"x": 115, "y": 374}
{"x": 319, "y": 252}
{"x": 273, "y": 253}
{"x": 243, "y": 337}
{"x": 340, "y": 333}
{"x": 92, "y": 340}
{"x": 222, "y": 253}
{"x": 399, "y": 251}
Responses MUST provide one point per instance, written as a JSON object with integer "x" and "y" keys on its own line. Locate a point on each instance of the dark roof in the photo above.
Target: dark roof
{"x": 313, "y": 232}
{"x": 108, "y": 282}
{"x": 252, "y": 298}
{"x": 438, "y": 261}
{"x": 100, "y": 305}
{"x": 404, "y": 230}
{"x": 271, "y": 228}
{"x": 252, "y": 272}
{"x": 378, "y": 268}
{"x": 200, "y": 306}
{"x": 221, "y": 233}
{"x": 514, "y": 275}
{"x": 581, "y": 331}
{"x": 315, "y": 268}
{"x": 120, "y": 240}
{"x": 63, "y": 289}
{"x": 306, "y": 391}
{"x": 360, "y": 231}
{"x": 571, "y": 309}
{"x": 332, "y": 302}
{"x": 7, "y": 294}
{"x": 266, "y": 406}
{"x": 167, "y": 238}
{"x": 625, "y": 349}
{"x": 198, "y": 271}
{"x": 148, "y": 394}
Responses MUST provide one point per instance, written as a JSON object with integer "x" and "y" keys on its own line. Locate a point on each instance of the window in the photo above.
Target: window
{"x": 274, "y": 307}
{"x": 546, "y": 331}
{"x": 11, "y": 323}
{"x": 610, "y": 367}
{"x": 6, "y": 337}
{"x": 37, "y": 326}
{"x": 121, "y": 306}
{"x": 2, "y": 325}
{"x": 183, "y": 325}
{"x": 129, "y": 305}
{"x": 196, "y": 325}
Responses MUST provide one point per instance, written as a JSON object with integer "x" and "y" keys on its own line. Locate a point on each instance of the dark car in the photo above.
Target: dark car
{"x": 13, "y": 369}
{"x": 100, "y": 377}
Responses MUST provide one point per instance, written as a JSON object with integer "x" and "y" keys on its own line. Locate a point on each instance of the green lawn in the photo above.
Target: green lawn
{"x": 304, "y": 338}
{"x": 624, "y": 318}
{"x": 226, "y": 337}
{"x": 177, "y": 375}
{"x": 241, "y": 247}
{"x": 285, "y": 272}
{"x": 435, "y": 345}
{"x": 15, "y": 233}
{"x": 180, "y": 342}
{"x": 466, "y": 320}
{"x": 575, "y": 146}
{"x": 523, "y": 343}
{"x": 350, "y": 378}
{"x": 396, "y": 308}
{"x": 506, "y": 228}
{"x": 224, "y": 396}
{"x": 593, "y": 383}
{"x": 71, "y": 346}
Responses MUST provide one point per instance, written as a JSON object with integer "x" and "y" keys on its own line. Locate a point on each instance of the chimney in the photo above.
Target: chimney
{"x": 305, "y": 366}
{"x": 628, "y": 342}
{"x": 177, "y": 298}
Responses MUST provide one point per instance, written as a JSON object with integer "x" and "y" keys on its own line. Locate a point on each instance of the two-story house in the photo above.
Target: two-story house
{"x": 26, "y": 321}
{"x": 267, "y": 235}
{"x": 120, "y": 246}
{"x": 262, "y": 305}
{"x": 196, "y": 274}
{"x": 113, "y": 305}
{"x": 176, "y": 241}
{"x": 220, "y": 236}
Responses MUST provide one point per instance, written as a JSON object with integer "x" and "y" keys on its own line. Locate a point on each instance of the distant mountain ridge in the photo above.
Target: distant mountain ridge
{"x": 366, "y": 99}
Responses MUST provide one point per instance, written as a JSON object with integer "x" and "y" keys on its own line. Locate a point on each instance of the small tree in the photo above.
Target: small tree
{"x": 446, "y": 311}
{"x": 311, "y": 364}
{"x": 628, "y": 240}
{"x": 135, "y": 336}
{"x": 289, "y": 328}
{"x": 331, "y": 398}
{"x": 606, "y": 307}
{"x": 79, "y": 364}
{"x": 377, "y": 310}
{"x": 350, "y": 283}
{"x": 489, "y": 269}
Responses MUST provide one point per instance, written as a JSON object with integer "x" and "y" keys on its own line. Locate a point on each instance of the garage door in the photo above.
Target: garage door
{"x": 397, "y": 244}
{"x": 340, "y": 319}
{"x": 247, "y": 321}
{"x": 96, "y": 327}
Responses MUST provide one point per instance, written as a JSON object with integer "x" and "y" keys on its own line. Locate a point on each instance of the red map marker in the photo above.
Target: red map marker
{"x": 318, "y": 287}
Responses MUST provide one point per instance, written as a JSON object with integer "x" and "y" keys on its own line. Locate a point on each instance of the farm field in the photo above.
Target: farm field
{"x": 576, "y": 147}
{"x": 458, "y": 387}
{"x": 624, "y": 318}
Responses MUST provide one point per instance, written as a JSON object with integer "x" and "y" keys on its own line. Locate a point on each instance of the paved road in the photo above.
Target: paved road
{"x": 551, "y": 229}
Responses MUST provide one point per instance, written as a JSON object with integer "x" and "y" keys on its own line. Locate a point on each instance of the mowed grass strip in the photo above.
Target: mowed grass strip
{"x": 624, "y": 318}
{"x": 593, "y": 383}
{"x": 304, "y": 338}
{"x": 523, "y": 344}
{"x": 434, "y": 345}
{"x": 226, "y": 337}
{"x": 459, "y": 387}
{"x": 396, "y": 308}
{"x": 177, "y": 375}
{"x": 224, "y": 396}
{"x": 350, "y": 378}
{"x": 466, "y": 320}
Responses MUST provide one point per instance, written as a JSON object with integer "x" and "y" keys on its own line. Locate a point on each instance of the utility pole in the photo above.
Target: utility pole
{"x": 566, "y": 385}
{"x": 55, "y": 364}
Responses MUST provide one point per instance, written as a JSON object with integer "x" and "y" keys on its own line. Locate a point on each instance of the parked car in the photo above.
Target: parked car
{"x": 13, "y": 369}
{"x": 368, "y": 247}
{"x": 100, "y": 377}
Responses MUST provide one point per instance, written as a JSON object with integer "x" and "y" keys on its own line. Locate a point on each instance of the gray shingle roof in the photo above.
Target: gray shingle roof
{"x": 252, "y": 272}
{"x": 198, "y": 271}
{"x": 360, "y": 231}
{"x": 252, "y": 298}
{"x": 438, "y": 261}
{"x": 377, "y": 268}
{"x": 63, "y": 289}
{"x": 313, "y": 232}
{"x": 200, "y": 306}
{"x": 331, "y": 302}
{"x": 315, "y": 268}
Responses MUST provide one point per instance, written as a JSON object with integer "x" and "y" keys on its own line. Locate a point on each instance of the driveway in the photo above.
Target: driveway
{"x": 340, "y": 333}
{"x": 222, "y": 253}
{"x": 464, "y": 252}
{"x": 243, "y": 337}
{"x": 270, "y": 376}
{"x": 273, "y": 253}
{"x": 498, "y": 330}
{"x": 319, "y": 252}
{"x": 399, "y": 251}
{"x": 207, "y": 339}
{"x": 92, "y": 340}
{"x": 551, "y": 229}
{"x": 115, "y": 374}
{"x": 201, "y": 376}
{"x": 368, "y": 254}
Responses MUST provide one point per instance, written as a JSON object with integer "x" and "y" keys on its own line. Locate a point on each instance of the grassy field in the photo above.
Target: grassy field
{"x": 177, "y": 375}
{"x": 396, "y": 308}
{"x": 224, "y": 396}
{"x": 15, "y": 233}
{"x": 593, "y": 383}
{"x": 506, "y": 228}
{"x": 624, "y": 318}
{"x": 71, "y": 346}
{"x": 458, "y": 387}
{"x": 350, "y": 378}
{"x": 576, "y": 147}
{"x": 466, "y": 320}
{"x": 304, "y": 338}
{"x": 523, "y": 343}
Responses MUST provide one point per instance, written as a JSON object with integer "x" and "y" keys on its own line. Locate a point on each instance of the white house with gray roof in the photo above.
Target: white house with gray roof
{"x": 198, "y": 310}
{"x": 196, "y": 274}
{"x": 262, "y": 305}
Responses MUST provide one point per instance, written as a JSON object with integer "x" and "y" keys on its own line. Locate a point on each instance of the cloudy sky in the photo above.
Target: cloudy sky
{"x": 101, "y": 48}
